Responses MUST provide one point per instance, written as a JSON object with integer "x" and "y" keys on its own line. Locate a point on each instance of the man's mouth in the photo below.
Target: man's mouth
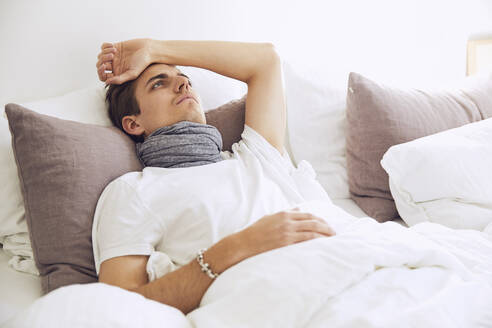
{"x": 187, "y": 97}
{"x": 184, "y": 100}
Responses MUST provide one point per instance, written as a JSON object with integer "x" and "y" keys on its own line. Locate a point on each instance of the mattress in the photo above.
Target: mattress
{"x": 19, "y": 289}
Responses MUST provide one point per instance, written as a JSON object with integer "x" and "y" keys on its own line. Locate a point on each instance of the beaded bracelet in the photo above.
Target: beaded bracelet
{"x": 205, "y": 266}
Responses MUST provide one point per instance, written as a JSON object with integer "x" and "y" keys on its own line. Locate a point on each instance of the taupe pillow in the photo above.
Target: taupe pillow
{"x": 229, "y": 120}
{"x": 63, "y": 167}
{"x": 379, "y": 117}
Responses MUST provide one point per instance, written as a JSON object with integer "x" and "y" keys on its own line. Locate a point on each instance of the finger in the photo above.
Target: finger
{"x": 101, "y": 67}
{"x": 106, "y": 51}
{"x": 314, "y": 226}
{"x": 305, "y": 216}
{"x": 303, "y": 236}
{"x": 100, "y": 62}
{"x": 108, "y": 66}
{"x": 127, "y": 76}
{"x": 106, "y": 45}
{"x": 104, "y": 73}
{"x": 106, "y": 57}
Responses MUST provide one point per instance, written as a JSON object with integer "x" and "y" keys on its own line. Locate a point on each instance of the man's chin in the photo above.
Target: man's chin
{"x": 196, "y": 117}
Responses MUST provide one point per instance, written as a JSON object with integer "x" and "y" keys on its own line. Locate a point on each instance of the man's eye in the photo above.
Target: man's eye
{"x": 157, "y": 83}
{"x": 189, "y": 82}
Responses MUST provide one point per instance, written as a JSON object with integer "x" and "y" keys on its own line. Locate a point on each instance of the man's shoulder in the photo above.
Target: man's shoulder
{"x": 128, "y": 180}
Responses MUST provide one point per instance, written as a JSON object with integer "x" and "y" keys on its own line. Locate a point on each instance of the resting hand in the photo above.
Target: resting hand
{"x": 282, "y": 229}
{"x": 125, "y": 59}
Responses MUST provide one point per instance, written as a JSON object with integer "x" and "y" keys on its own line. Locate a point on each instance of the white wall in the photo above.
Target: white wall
{"x": 50, "y": 47}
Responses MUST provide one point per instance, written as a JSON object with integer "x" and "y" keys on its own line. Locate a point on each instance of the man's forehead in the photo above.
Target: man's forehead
{"x": 160, "y": 68}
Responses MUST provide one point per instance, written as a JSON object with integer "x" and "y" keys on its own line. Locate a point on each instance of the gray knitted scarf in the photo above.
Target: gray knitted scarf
{"x": 182, "y": 144}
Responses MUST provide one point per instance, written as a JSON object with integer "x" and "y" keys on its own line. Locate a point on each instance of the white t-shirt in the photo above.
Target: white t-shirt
{"x": 171, "y": 213}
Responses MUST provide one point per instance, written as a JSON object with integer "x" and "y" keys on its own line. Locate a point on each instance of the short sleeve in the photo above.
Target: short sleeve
{"x": 158, "y": 265}
{"x": 264, "y": 150}
{"x": 123, "y": 225}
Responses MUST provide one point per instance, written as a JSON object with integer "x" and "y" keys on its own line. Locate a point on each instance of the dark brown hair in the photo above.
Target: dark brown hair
{"x": 121, "y": 102}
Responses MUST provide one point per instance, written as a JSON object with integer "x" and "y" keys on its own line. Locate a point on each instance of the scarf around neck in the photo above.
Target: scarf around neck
{"x": 182, "y": 144}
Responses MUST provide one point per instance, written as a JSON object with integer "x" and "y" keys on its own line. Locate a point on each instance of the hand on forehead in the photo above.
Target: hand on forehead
{"x": 153, "y": 70}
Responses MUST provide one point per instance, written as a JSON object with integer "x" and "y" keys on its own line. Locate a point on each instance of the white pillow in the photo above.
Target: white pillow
{"x": 86, "y": 106}
{"x": 316, "y": 109}
{"x": 12, "y": 209}
{"x": 444, "y": 178}
{"x": 214, "y": 89}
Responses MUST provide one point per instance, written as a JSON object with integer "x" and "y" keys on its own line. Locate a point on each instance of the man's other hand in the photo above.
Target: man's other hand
{"x": 123, "y": 61}
{"x": 282, "y": 229}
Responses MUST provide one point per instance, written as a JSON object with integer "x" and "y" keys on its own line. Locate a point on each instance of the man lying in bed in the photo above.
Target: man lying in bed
{"x": 150, "y": 226}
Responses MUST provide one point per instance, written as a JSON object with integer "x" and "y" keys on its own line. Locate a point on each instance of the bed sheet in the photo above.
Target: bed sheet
{"x": 19, "y": 290}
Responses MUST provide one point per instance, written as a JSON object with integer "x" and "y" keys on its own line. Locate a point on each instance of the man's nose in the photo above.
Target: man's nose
{"x": 183, "y": 83}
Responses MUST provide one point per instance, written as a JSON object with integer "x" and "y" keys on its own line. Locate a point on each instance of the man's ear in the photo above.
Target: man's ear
{"x": 131, "y": 126}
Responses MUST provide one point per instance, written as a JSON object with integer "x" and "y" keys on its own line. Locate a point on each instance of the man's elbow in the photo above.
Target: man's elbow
{"x": 271, "y": 53}
{"x": 267, "y": 58}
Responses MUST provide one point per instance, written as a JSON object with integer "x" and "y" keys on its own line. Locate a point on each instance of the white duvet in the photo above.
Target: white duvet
{"x": 369, "y": 275}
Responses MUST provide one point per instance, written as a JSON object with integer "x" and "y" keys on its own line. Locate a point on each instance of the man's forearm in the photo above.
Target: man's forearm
{"x": 184, "y": 288}
{"x": 238, "y": 60}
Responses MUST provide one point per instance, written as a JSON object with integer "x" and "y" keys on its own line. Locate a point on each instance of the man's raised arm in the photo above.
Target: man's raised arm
{"x": 256, "y": 64}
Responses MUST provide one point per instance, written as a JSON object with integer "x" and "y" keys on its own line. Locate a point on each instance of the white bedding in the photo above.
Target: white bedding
{"x": 369, "y": 275}
{"x": 18, "y": 289}
{"x": 445, "y": 177}
{"x": 23, "y": 289}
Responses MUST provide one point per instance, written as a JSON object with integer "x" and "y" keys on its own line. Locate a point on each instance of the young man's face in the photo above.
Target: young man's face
{"x": 159, "y": 91}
